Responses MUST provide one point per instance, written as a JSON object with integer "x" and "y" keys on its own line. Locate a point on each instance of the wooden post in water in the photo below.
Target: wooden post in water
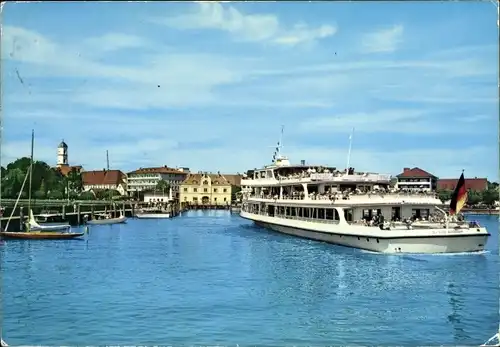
{"x": 21, "y": 218}
{"x": 78, "y": 214}
{"x": 64, "y": 212}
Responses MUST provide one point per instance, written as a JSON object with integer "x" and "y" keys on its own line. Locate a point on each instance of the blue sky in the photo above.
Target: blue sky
{"x": 208, "y": 85}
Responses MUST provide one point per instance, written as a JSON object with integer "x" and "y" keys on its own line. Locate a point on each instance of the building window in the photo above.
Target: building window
{"x": 195, "y": 198}
{"x": 225, "y": 190}
{"x": 215, "y": 190}
{"x": 185, "y": 190}
{"x": 205, "y": 182}
{"x": 215, "y": 199}
{"x": 225, "y": 199}
{"x": 195, "y": 190}
{"x": 205, "y": 190}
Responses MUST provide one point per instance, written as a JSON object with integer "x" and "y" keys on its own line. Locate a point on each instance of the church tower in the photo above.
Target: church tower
{"x": 62, "y": 154}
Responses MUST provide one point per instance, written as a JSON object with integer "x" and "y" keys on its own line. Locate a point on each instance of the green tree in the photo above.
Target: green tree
{"x": 163, "y": 186}
{"x": 444, "y": 195}
{"x": 74, "y": 179}
{"x": 235, "y": 192}
{"x": 55, "y": 195}
{"x": 86, "y": 196}
{"x": 41, "y": 192}
{"x": 473, "y": 198}
{"x": 489, "y": 196}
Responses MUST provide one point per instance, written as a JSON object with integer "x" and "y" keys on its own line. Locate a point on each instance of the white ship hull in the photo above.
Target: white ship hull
{"x": 429, "y": 241}
{"x": 153, "y": 215}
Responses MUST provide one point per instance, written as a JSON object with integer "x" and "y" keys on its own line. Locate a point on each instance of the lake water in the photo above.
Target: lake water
{"x": 209, "y": 277}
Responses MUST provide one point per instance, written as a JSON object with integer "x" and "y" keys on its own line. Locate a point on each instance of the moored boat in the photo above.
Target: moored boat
{"x": 40, "y": 235}
{"x": 34, "y": 230}
{"x": 35, "y": 226}
{"x": 102, "y": 219}
{"x": 152, "y": 213}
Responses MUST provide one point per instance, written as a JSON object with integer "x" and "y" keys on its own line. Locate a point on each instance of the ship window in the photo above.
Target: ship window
{"x": 329, "y": 213}
{"x": 306, "y": 212}
{"x": 321, "y": 213}
{"x": 293, "y": 211}
{"x": 348, "y": 215}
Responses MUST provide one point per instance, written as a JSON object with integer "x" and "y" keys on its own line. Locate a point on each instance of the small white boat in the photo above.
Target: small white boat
{"x": 4, "y": 344}
{"x": 33, "y": 225}
{"x": 101, "y": 219}
{"x": 152, "y": 214}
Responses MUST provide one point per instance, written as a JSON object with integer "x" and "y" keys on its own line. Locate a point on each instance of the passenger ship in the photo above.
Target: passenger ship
{"x": 353, "y": 209}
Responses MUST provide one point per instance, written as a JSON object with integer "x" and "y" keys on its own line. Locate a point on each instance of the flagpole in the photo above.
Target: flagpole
{"x": 281, "y": 138}
{"x": 349, "y": 151}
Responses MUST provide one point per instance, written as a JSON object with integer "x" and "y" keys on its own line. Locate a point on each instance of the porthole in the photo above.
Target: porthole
{"x": 367, "y": 239}
{"x": 359, "y": 238}
{"x": 378, "y": 241}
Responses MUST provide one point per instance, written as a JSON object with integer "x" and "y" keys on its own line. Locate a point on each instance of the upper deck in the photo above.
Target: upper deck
{"x": 274, "y": 175}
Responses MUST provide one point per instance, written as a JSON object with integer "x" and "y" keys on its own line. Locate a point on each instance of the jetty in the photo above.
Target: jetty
{"x": 72, "y": 212}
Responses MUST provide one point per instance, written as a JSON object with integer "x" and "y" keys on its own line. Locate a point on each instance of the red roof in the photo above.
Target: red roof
{"x": 108, "y": 177}
{"x": 161, "y": 170}
{"x": 66, "y": 169}
{"x": 476, "y": 184}
{"x": 415, "y": 172}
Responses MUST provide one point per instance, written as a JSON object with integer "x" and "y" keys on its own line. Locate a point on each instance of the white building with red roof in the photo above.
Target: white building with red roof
{"x": 416, "y": 179}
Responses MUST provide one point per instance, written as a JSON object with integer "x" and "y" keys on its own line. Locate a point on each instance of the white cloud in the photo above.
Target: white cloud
{"x": 86, "y": 82}
{"x": 247, "y": 27}
{"x": 384, "y": 40}
{"x": 114, "y": 41}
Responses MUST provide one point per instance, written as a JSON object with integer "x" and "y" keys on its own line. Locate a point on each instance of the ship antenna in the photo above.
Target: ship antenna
{"x": 280, "y": 144}
{"x": 349, "y": 151}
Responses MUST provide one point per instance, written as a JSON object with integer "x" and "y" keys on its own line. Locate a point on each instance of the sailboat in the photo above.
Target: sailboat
{"x": 35, "y": 231}
{"x": 35, "y": 226}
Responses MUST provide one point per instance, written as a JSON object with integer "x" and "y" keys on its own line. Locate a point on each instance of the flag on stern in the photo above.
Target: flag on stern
{"x": 459, "y": 196}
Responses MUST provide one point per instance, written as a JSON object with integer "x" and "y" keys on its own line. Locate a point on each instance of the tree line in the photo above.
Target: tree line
{"x": 486, "y": 198}
{"x": 47, "y": 183}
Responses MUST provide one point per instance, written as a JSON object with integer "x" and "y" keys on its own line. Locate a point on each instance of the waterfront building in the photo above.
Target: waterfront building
{"x": 206, "y": 188}
{"x": 234, "y": 179}
{"x": 416, "y": 179}
{"x": 154, "y": 197}
{"x": 62, "y": 160}
{"x": 146, "y": 179}
{"x": 474, "y": 184}
{"x": 105, "y": 179}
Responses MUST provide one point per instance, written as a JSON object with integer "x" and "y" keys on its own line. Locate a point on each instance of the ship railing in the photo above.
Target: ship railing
{"x": 321, "y": 177}
{"x": 353, "y": 197}
{"x": 306, "y": 219}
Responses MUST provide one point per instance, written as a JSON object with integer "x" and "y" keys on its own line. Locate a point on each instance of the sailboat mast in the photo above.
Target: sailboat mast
{"x": 31, "y": 168}
{"x": 107, "y": 160}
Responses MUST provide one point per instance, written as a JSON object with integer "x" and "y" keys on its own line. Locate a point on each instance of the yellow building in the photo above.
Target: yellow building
{"x": 206, "y": 189}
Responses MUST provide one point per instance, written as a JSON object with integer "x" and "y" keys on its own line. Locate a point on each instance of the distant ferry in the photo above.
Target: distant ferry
{"x": 353, "y": 209}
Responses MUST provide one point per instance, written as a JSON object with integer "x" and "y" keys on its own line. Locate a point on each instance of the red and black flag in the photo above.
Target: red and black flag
{"x": 459, "y": 197}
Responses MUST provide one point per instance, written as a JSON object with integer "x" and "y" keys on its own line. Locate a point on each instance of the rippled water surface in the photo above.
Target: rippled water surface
{"x": 212, "y": 277}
